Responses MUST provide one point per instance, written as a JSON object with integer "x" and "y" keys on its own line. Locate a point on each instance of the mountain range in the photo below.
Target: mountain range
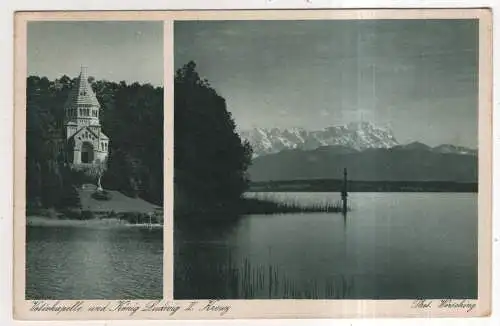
{"x": 370, "y": 153}
{"x": 357, "y": 136}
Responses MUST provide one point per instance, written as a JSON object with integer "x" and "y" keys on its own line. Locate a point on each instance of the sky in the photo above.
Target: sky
{"x": 115, "y": 51}
{"x": 416, "y": 77}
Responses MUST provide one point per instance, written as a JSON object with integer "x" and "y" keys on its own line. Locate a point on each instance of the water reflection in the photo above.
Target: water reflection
{"x": 387, "y": 247}
{"x": 83, "y": 263}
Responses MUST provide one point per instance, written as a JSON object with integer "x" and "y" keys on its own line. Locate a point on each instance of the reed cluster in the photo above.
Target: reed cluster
{"x": 249, "y": 281}
{"x": 270, "y": 206}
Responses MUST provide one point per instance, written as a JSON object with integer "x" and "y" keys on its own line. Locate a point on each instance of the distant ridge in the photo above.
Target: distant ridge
{"x": 452, "y": 149}
{"x": 411, "y": 162}
{"x": 443, "y": 149}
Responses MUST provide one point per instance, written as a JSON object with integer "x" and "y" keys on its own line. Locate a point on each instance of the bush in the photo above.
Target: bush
{"x": 130, "y": 217}
{"x": 101, "y": 195}
{"x": 72, "y": 214}
{"x": 111, "y": 214}
{"x": 50, "y": 213}
{"x": 136, "y": 217}
{"x": 144, "y": 218}
{"x": 70, "y": 198}
{"x": 78, "y": 178}
{"x": 86, "y": 215}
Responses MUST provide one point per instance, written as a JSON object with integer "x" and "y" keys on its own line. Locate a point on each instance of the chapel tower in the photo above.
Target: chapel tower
{"x": 86, "y": 144}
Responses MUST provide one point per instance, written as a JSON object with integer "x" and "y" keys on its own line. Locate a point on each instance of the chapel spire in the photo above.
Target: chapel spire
{"x": 82, "y": 93}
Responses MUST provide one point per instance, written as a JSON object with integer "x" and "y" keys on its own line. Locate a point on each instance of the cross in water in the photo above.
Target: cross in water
{"x": 344, "y": 193}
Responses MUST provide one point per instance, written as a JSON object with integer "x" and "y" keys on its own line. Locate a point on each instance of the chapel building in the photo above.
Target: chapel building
{"x": 85, "y": 145}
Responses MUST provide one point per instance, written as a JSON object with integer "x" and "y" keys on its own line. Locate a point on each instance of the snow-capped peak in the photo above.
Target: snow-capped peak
{"x": 356, "y": 135}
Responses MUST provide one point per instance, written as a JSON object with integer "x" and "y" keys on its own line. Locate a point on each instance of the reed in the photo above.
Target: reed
{"x": 249, "y": 205}
{"x": 270, "y": 206}
{"x": 250, "y": 281}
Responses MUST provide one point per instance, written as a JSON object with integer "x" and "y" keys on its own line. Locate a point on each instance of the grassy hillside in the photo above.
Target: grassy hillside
{"x": 119, "y": 203}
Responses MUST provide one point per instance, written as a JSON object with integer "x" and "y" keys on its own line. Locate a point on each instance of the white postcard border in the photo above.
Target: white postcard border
{"x": 254, "y": 308}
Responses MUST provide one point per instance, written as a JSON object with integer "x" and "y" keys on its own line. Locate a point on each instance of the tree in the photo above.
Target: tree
{"x": 69, "y": 196}
{"x": 44, "y": 180}
{"x": 210, "y": 159}
{"x": 131, "y": 116}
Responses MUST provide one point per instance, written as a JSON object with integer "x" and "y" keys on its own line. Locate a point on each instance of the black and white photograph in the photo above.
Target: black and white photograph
{"x": 248, "y": 164}
{"x": 94, "y": 160}
{"x": 326, "y": 159}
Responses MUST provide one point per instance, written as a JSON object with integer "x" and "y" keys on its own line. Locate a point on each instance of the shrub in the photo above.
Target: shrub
{"x": 72, "y": 214}
{"x": 78, "y": 178}
{"x": 136, "y": 217}
{"x": 111, "y": 214}
{"x": 86, "y": 215}
{"x": 51, "y": 213}
{"x": 70, "y": 198}
{"x": 130, "y": 217}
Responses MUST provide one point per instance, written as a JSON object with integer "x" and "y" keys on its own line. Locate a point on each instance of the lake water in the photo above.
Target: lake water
{"x": 88, "y": 263}
{"x": 390, "y": 246}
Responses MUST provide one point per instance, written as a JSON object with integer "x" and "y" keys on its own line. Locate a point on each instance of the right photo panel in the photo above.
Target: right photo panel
{"x": 326, "y": 159}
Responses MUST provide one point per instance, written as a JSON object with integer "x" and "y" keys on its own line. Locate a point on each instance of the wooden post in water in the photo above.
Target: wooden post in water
{"x": 344, "y": 193}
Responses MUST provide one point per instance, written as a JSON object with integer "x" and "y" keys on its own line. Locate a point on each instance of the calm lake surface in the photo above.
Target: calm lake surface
{"x": 390, "y": 246}
{"x": 88, "y": 263}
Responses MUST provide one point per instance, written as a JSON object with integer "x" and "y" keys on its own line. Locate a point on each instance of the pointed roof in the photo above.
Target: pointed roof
{"x": 82, "y": 94}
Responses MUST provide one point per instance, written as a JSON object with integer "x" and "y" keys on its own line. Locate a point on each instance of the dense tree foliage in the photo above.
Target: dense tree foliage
{"x": 131, "y": 116}
{"x": 210, "y": 160}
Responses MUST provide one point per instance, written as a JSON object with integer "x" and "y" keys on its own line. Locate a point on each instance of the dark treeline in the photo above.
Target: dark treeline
{"x": 131, "y": 116}
{"x": 210, "y": 159}
{"x": 325, "y": 185}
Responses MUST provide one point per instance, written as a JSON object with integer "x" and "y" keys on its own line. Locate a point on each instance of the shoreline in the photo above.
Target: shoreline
{"x": 262, "y": 206}
{"x": 35, "y": 220}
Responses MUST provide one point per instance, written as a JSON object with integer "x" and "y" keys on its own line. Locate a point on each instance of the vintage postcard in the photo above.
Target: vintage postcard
{"x": 253, "y": 164}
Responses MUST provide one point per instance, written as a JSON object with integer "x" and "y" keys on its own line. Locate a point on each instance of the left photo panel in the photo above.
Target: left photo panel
{"x": 94, "y": 160}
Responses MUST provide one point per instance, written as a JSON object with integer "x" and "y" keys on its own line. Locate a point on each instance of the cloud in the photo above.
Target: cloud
{"x": 283, "y": 112}
{"x": 324, "y": 113}
{"x": 358, "y": 115}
